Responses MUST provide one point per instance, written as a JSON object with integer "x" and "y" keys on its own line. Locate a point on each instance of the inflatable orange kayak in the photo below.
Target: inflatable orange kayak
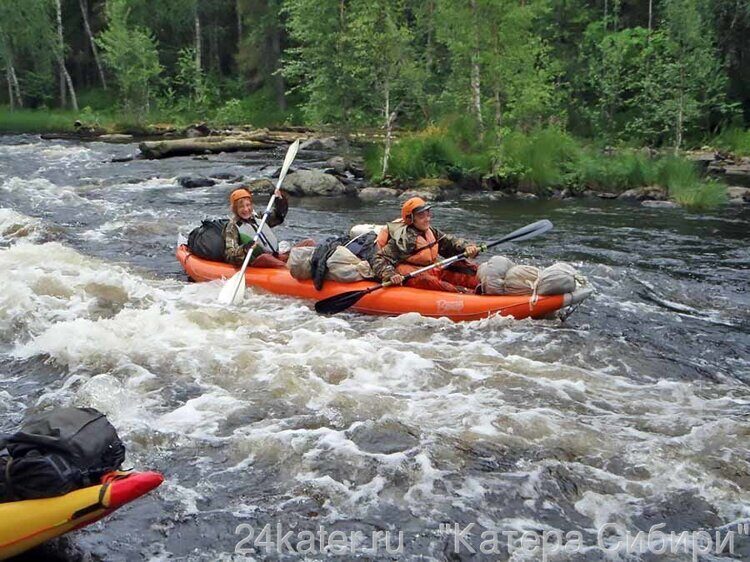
{"x": 26, "y": 524}
{"x": 392, "y": 301}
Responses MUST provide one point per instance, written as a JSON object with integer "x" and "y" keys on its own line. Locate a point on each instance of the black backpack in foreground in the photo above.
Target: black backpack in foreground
{"x": 57, "y": 452}
{"x": 207, "y": 240}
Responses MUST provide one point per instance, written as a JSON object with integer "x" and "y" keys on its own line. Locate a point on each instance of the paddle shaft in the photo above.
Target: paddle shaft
{"x": 291, "y": 153}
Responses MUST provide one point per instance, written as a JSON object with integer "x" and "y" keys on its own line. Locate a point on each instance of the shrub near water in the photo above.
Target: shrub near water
{"x": 615, "y": 173}
{"x": 681, "y": 179}
{"x": 541, "y": 160}
{"x": 734, "y": 140}
{"x": 429, "y": 154}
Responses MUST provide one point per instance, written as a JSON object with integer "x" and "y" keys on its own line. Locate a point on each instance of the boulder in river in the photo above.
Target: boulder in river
{"x": 263, "y": 186}
{"x": 738, "y": 195}
{"x": 190, "y": 182}
{"x": 423, "y": 194}
{"x": 651, "y": 192}
{"x": 377, "y": 193}
{"x": 315, "y": 183}
{"x": 738, "y": 174}
{"x": 327, "y": 143}
{"x": 341, "y": 164}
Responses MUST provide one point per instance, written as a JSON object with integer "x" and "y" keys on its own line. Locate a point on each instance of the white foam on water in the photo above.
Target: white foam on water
{"x": 43, "y": 194}
{"x": 16, "y": 226}
{"x": 199, "y": 418}
{"x": 50, "y": 283}
{"x": 128, "y": 339}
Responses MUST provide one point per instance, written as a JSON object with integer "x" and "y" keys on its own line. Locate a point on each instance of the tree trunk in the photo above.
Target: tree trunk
{"x": 13, "y": 76}
{"x": 238, "y": 11}
{"x": 428, "y": 46}
{"x": 61, "y": 56}
{"x": 10, "y": 89}
{"x": 278, "y": 80}
{"x": 498, "y": 109}
{"x": 64, "y": 75}
{"x": 476, "y": 91}
{"x": 69, "y": 82}
{"x": 198, "y": 42}
{"x": 84, "y": 12}
{"x": 476, "y": 94}
{"x": 387, "y": 115}
{"x": 650, "y": 16}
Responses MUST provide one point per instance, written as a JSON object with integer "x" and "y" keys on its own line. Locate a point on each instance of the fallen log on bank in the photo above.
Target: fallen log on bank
{"x": 200, "y": 145}
{"x": 261, "y": 139}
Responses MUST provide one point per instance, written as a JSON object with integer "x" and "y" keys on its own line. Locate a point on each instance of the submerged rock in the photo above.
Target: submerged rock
{"x": 524, "y": 195}
{"x": 660, "y": 204}
{"x": 190, "y": 182}
{"x": 227, "y": 176}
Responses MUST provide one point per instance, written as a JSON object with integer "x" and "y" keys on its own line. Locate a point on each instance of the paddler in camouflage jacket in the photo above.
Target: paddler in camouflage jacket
{"x": 236, "y": 246}
{"x": 411, "y": 243}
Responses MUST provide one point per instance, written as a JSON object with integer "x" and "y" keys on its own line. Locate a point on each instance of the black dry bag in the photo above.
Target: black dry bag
{"x": 207, "y": 240}
{"x": 56, "y": 452}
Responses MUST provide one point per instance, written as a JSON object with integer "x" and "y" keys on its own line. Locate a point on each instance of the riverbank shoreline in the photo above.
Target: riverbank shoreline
{"x": 165, "y": 140}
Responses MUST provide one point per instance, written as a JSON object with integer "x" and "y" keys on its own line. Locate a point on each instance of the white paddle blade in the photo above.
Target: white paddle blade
{"x": 233, "y": 291}
{"x": 290, "y": 154}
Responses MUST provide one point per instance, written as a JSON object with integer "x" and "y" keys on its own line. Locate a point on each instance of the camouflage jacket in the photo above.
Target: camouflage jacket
{"x": 402, "y": 243}
{"x": 234, "y": 250}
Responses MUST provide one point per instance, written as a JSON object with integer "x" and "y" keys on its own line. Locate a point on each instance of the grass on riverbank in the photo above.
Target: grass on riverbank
{"x": 545, "y": 160}
{"x": 734, "y": 140}
{"x": 100, "y": 112}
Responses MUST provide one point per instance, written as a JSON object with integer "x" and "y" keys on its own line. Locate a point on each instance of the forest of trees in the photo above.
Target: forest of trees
{"x": 657, "y": 72}
{"x": 661, "y": 73}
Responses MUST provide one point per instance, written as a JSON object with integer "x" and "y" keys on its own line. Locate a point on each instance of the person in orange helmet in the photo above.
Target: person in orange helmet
{"x": 411, "y": 242}
{"x": 242, "y": 225}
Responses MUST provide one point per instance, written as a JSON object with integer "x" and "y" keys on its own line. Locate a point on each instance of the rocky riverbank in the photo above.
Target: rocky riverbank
{"x": 344, "y": 175}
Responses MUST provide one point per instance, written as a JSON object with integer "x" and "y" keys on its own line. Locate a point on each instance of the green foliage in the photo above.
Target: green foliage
{"x": 34, "y": 121}
{"x": 616, "y": 172}
{"x": 542, "y": 159}
{"x": 701, "y": 196}
{"x": 195, "y": 92}
{"x": 97, "y": 99}
{"x": 258, "y": 109}
{"x": 132, "y": 55}
{"x": 734, "y": 140}
{"x": 432, "y": 153}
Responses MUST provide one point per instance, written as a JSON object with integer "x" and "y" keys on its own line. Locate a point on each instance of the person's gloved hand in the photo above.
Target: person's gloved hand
{"x": 396, "y": 279}
{"x": 471, "y": 251}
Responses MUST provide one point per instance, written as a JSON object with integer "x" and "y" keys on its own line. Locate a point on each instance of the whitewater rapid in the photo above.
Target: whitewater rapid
{"x": 634, "y": 412}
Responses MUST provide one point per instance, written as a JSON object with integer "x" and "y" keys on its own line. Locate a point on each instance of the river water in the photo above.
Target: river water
{"x": 633, "y": 412}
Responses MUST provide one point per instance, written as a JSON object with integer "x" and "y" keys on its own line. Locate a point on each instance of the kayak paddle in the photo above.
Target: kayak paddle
{"x": 233, "y": 291}
{"x": 342, "y": 301}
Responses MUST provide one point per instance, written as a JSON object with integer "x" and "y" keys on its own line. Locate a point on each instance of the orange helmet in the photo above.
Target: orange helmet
{"x": 238, "y": 194}
{"x": 411, "y": 206}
